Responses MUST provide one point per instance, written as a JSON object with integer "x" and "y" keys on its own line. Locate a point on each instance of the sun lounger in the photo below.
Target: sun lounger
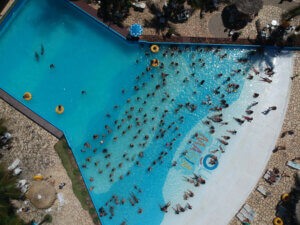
{"x": 14, "y": 165}
{"x": 17, "y": 171}
{"x": 241, "y": 217}
{"x": 25, "y": 188}
{"x": 21, "y": 183}
{"x": 246, "y": 213}
{"x": 271, "y": 177}
{"x": 263, "y": 191}
{"x": 293, "y": 165}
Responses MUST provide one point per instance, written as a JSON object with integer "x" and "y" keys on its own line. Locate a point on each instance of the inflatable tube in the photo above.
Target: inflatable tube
{"x": 59, "y": 109}
{"x": 154, "y": 62}
{"x": 278, "y": 221}
{"x": 206, "y": 162}
{"x": 38, "y": 177}
{"x": 27, "y": 96}
{"x": 285, "y": 197}
{"x": 154, "y": 48}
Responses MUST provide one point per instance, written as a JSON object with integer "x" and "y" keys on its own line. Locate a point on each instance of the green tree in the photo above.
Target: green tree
{"x": 8, "y": 192}
{"x": 206, "y": 5}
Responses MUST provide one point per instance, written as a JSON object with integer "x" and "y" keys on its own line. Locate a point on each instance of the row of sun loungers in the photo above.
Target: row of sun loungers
{"x": 246, "y": 214}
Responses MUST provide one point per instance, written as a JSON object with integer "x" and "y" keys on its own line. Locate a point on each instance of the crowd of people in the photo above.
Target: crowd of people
{"x": 154, "y": 112}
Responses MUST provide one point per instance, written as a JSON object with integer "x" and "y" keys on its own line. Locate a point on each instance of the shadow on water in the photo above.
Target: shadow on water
{"x": 264, "y": 55}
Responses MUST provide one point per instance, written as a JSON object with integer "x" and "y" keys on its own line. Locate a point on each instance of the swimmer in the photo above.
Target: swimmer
{"x": 42, "y": 49}
{"x": 37, "y": 57}
{"x": 95, "y": 136}
{"x": 232, "y": 131}
{"x": 52, "y": 66}
{"x": 87, "y": 145}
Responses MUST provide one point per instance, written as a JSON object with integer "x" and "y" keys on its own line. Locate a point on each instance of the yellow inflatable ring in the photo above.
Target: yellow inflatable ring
{"x": 285, "y": 197}
{"x": 154, "y": 62}
{"x": 59, "y": 109}
{"x": 38, "y": 177}
{"x": 154, "y": 48}
{"x": 27, "y": 96}
{"x": 278, "y": 221}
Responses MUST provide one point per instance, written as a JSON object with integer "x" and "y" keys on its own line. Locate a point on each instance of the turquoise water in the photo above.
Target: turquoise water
{"x": 89, "y": 58}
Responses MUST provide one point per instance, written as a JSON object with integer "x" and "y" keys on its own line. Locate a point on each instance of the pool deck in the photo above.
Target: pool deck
{"x": 31, "y": 115}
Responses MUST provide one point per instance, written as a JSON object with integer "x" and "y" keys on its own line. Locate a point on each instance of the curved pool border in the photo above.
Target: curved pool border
{"x": 121, "y": 33}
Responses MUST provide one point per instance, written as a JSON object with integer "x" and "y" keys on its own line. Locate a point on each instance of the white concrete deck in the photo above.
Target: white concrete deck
{"x": 247, "y": 154}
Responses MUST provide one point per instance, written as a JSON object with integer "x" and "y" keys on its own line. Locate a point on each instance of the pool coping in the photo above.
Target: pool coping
{"x": 31, "y": 115}
{"x": 123, "y": 33}
{"x": 9, "y": 5}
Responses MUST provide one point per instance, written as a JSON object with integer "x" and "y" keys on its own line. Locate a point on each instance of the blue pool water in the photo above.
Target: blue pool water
{"x": 89, "y": 58}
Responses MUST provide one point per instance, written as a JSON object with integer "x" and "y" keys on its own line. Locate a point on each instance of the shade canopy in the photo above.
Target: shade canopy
{"x": 41, "y": 194}
{"x": 136, "y": 30}
{"x": 249, "y": 7}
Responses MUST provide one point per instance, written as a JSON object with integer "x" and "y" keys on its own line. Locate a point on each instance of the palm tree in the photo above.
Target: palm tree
{"x": 199, "y": 4}
{"x": 115, "y": 11}
{"x": 290, "y": 14}
{"x": 8, "y": 192}
{"x": 173, "y": 9}
{"x": 206, "y": 5}
{"x": 160, "y": 21}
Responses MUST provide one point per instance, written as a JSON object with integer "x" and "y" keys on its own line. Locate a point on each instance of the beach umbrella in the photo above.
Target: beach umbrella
{"x": 41, "y": 194}
{"x": 136, "y": 30}
{"x": 249, "y": 7}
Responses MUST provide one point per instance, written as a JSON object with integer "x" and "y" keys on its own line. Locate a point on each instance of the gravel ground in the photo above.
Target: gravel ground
{"x": 34, "y": 147}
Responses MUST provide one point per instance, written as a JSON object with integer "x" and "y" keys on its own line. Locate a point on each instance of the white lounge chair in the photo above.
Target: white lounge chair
{"x": 21, "y": 183}
{"x": 263, "y": 191}
{"x": 246, "y": 213}
{"x": 17, "y": 171}
{"x": 14, "y": 165}
{"x": 139, "y": 5}
{"x": 269, "y": 177}
{"x": 25, "y": 188}
{"x": 293, "y": 165}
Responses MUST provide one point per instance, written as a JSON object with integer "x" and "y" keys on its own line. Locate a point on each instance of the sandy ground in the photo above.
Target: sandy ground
{"x": 34, "y": 147}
